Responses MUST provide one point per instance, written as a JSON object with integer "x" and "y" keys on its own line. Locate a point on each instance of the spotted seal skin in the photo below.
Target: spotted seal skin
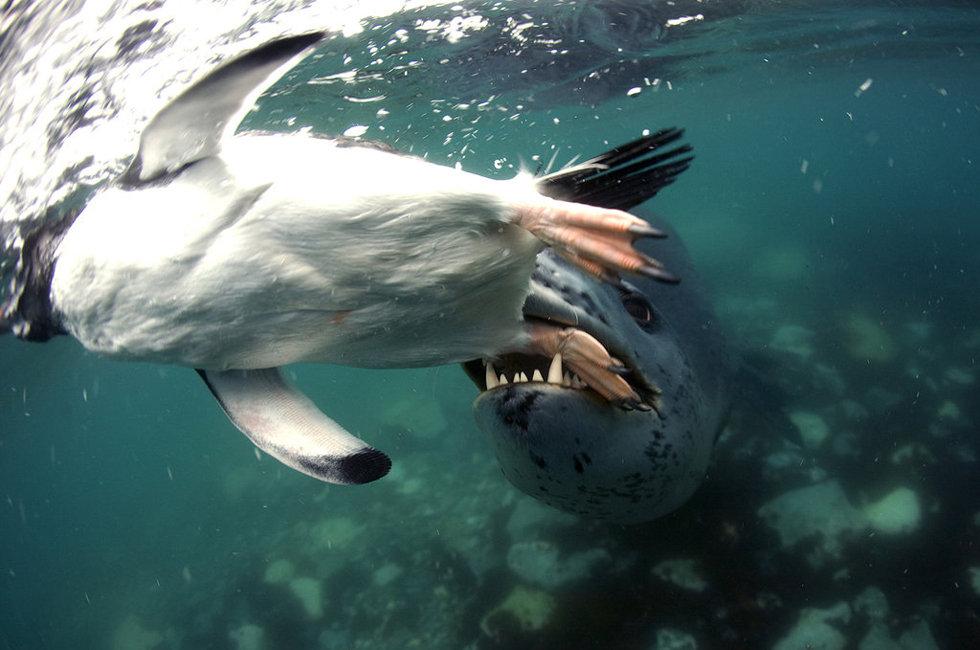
{"x": 572, "y": 450}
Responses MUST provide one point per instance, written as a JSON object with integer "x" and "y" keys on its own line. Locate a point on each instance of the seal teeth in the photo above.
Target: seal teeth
{"x": 557, "y": 374}
{"x": 491, "y": 377}
{"x": 554, "y": 372}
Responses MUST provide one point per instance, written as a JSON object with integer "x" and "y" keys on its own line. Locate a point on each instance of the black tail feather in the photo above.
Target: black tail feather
{"x": 622, "y": 177}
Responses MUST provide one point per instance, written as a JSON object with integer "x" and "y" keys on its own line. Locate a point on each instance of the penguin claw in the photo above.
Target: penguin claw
{"x": 618, "y": 368}
{"x": 588, "y": 359}
{"x": 647, "y": 231}
{"x": 661, "y": 275}
{"x": 597, "y": 240}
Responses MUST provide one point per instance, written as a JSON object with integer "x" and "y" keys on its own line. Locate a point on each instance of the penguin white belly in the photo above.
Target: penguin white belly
{"x": 290, "y": 248}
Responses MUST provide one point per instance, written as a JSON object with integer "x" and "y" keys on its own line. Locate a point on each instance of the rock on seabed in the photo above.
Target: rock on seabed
{"x": 898, "y": 512}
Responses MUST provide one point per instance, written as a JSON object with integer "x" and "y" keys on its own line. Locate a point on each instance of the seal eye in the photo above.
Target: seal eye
{"x": 638, "y": 309}
{"x": 637, "y": 306}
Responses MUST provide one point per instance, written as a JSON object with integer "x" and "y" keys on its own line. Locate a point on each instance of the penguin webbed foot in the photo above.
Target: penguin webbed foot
{"x": 600, "y": 241}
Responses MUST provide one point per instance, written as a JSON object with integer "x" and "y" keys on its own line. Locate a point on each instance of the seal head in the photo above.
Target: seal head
{"x": 564, "y": 445}
{"x": 555, "y": 438}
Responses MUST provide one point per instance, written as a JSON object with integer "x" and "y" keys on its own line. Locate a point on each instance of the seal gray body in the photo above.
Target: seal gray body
{"x": 568, "y": 448}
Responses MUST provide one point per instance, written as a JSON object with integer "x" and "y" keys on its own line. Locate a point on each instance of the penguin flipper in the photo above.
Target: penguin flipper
{"x": 193, "y": 125}
{"x": 285, "y": 424}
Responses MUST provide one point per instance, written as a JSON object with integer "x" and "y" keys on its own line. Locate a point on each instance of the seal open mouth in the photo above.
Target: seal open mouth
{"x": 520, "y": 368}
{"x": 572, "y": 351}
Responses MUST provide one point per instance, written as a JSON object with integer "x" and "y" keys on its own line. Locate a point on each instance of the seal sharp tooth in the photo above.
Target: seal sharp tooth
{"x": 523, "y": 378}
{"x": 492, "y": 381}
{"x": 503, "y": 379}
{"x": 554, "y": 372}
{"x": 566, "y": 379}
{"x": 537, "y": 375}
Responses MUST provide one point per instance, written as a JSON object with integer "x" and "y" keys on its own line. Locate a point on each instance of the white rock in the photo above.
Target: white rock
{"x": 335, "y": 533}
{"x": 539, "y": 563}
{"x": 131, "y": 635}
{"x": 872, "y": 603}
{"x": 780, "y": 460}
{"x": 812, "y": 428}
{"x": 386, "y": 574}
{"x": 918, "y": 637}
{"x": 898, "y": 512}
{"x": 309, "y": 594}
{"x": 683, "y": 573}
{"x": 820, "y": 511}
{"x": 793, "y": 339}
{"x": 278, "y": 572}
{"x": 248, "y": 637}
{"x": 814, "y": 632}
{"x": 878, "y": 638}
{"x": 903, "y": 453}
{"x": 948, "y": 410}
{"x": 867, "y": 340}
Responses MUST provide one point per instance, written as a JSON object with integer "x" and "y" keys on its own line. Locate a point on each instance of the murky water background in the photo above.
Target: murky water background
{"x": 832, "y": 208}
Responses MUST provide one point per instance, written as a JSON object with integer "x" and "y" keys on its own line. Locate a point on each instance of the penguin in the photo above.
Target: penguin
{"x": 237, "y": 253}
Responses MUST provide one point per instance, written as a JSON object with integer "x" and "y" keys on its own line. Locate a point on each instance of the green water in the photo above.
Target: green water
{"x": 837, "y": 229}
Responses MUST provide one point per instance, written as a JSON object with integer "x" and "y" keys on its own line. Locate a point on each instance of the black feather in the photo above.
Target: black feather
{"x": 622, "y": 177}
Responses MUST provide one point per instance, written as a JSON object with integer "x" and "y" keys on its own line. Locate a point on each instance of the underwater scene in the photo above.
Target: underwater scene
{"x": 804, "y": 474}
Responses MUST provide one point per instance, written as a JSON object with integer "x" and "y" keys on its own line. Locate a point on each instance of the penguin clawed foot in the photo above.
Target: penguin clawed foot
{"x": 588, "y": 359}
{"x": 597, "y": 240}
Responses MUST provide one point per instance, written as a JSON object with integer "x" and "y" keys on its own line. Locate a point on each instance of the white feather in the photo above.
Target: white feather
{"x": 289, "y": 248}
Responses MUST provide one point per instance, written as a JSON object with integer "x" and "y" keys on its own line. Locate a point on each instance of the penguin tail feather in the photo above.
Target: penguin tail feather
{"x": 623, "y": 177}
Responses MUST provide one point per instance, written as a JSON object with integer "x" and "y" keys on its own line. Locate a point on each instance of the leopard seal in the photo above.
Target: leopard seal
{"x": 558, "y": 441}
{"x": 237, "y": 253}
